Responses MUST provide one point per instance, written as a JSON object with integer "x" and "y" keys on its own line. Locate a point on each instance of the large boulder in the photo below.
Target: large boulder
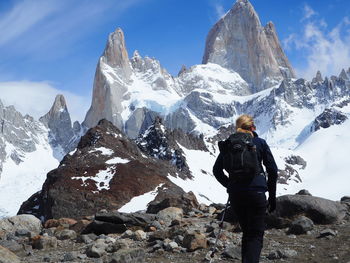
{"x": 6, "y": 256}
{"x": 319, "y": 210}
{"x": 15, "y": 223}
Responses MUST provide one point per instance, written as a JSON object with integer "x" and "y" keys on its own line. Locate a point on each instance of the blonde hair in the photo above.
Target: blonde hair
{"x": 244, "y": 123}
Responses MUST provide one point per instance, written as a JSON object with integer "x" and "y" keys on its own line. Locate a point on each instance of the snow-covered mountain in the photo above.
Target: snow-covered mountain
{"x": 304, "y": 122}
{"x": 289, "y": 112}
{"x": 239, "y": 42}
{"x": 29, "y": 149}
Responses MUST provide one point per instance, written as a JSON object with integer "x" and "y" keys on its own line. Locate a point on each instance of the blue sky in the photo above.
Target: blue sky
{"x": 52, "y": 46}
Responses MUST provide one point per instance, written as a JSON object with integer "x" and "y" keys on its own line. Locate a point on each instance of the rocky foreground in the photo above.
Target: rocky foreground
{"x": 303, "y": 229}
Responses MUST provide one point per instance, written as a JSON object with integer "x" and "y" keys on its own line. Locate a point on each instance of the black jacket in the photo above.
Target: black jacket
{"x": 259, "y": 182}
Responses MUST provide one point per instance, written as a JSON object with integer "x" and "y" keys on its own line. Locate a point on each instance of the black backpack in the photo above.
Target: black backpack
{"x": 239, "y": 157}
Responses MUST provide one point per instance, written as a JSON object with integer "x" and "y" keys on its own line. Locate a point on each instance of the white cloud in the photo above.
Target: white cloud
{"x": 24, "y": 16}
{"x": 220, "y": 11}
{"x": 36, "y": 99}
{"x": 327, "y": 50}
{"x": 36, "y": 28}
{"x": 308, "y": 12}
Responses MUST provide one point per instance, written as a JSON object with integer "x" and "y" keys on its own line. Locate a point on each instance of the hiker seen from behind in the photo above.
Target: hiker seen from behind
{"x": 242, "y": 156}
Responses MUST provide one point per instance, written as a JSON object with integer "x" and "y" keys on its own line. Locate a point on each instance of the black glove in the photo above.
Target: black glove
{"x": 271, "y": 204}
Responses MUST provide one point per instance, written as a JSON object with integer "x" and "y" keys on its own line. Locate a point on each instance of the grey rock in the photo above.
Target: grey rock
{"x": 301, "y": 226}
{"x": 319, "y": 210}
{"x": 69, "y": 256}
{"x": 328, "y": 118}
{"x": 66, "y": 234}
{"x": 12, "y": 245}
{"x": 6, "y": 256}
{"x": 327, "y": 233}
{"x": 97, "y": 249}
{"x": 169, "y": 214}
{"x": 131, "y": 255}
{"x": 296, "y": 160}
{"x": 139, "y": 235}
{"x": 139, "y": 121}
{"x": 171, "y": 246}
{"x": 127, "y": 234}
{"x": 232, "y": 252}
{"x": 239, "y": 34}
{"x": 19, "y": 222}
{"x": 282, "y": 253}
{"x": 23, "y": 233}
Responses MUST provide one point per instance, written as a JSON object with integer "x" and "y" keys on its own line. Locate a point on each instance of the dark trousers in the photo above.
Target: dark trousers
{"x": 250, "y": 208}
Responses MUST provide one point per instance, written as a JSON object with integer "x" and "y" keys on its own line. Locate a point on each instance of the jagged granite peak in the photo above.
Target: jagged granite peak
{"x": 344, "y": 75}
{"x": 58, "y": 110}
{"x": 239, "y": 42}
{"x": 112, "y": 74}
{"x": 116, "y": 54}
{"x": 20, "y": 131}
{"x": 161, "y": 143}
{"x": 328, "y": 118}
{"x": 318, "y": 77}
{"x": 61, "y": 133}
{"x": 182, "y": 70}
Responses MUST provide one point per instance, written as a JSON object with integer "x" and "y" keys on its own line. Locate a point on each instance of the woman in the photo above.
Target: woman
{"x": 248, "y": 199}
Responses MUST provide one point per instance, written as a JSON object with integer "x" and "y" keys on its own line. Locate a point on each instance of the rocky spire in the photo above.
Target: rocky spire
{"x": 343, "y": 75}
{"x": 239, "y": 42}
{"x": 116, "y": 55}
{"x": 60, "y": 125}
{"x": 108, "y": 90}
{"x": 318, "y": 77}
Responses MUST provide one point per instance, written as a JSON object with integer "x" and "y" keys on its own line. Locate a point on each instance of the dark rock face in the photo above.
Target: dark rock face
{"x": 328, "y": 118}
{"x": 174, "y": 197}
{"x": 301, "y": 225}
{"x": 296, "y": 160}
{"x": 319, "y": 210}
{"x": 157, "y": 141}
{"x": 105, "y": 172}
{"x": 62, "y": 135}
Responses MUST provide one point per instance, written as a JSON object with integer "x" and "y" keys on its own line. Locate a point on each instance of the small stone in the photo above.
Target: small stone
{"x": 23, "y": 233}
{"x": 195, "y": 240}
{"x": 132, "y": 255}
{"x": 179, "y": 239}
{"x": 66, "y": 234}
{"x": 69, "y": 256}
{"x": 327, "y": 233}
{"x": 301, "y": 226}
{"x": 232, "y": 252}
{"x": 283, "y": 253}
{"x": 169, "y": 214}
{"x": 152, "y": 229}
{"x": 139, "y": 235}
{"x": 127, "y": 234}
{"x": 211, "y": 210}
{"x": 96, "y": 251}
{"x": 44, "y": 242}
